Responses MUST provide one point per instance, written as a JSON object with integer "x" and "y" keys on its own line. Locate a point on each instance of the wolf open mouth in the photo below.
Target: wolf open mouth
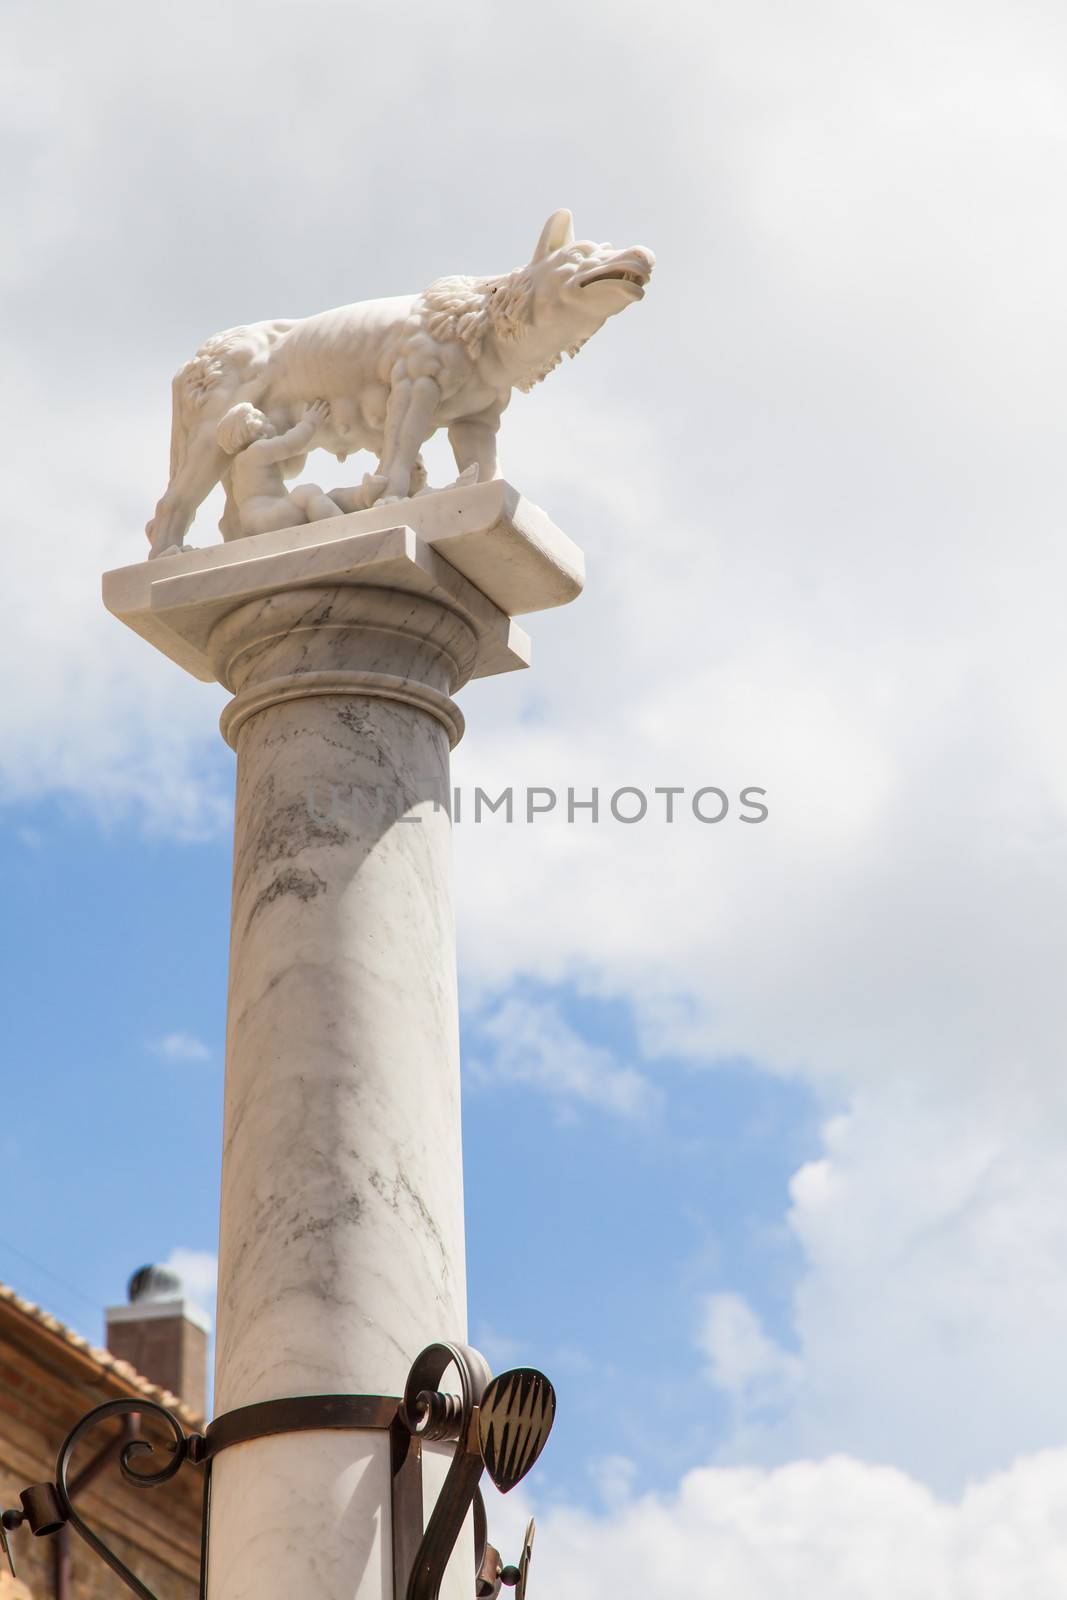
{"x": 625, "y": 274}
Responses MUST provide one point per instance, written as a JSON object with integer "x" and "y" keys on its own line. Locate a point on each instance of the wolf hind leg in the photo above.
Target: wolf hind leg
{"x": 409, "y": 422}
{"x": 203, "y": 466}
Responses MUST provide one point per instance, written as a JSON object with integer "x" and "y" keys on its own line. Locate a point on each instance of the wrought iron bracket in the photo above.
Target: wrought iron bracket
{"x": 499, "y": 1425}
{"x": 298, "y": 1414}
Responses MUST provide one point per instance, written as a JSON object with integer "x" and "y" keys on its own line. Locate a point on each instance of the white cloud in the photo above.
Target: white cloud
{"x": 198, "y": 1270}
{"x": 741, "y": 1359}
{"x": 929, "y": 1316}
{"x": 937, "y": 1259}
{"x": 834, "y": 1529}
{"x": 181, "y": 1047}
{"x": 531, "y": 1043}
{"x": 613, "y": 1478}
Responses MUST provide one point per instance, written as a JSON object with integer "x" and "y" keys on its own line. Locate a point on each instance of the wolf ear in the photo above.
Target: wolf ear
{"x": 557, "y": 232}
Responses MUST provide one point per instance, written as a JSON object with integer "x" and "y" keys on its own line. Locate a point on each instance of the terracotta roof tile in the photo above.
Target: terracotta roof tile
{"x": 112, "y": 1368}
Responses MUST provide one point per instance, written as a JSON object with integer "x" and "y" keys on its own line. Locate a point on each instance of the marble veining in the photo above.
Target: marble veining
{"x": 341, "y": 1247}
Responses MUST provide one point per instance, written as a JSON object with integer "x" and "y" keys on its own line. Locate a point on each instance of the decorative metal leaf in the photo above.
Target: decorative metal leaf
{"x": 524, "y": 1564}
{"x": 515, "y": 1418}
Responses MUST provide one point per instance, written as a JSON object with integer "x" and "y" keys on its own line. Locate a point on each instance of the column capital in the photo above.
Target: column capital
{"x": 482, "y": 553}
{"x": 344, "y": 639}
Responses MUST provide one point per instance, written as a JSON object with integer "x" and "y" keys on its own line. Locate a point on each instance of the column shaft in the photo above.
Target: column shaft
{"x": 341, "y": 1248}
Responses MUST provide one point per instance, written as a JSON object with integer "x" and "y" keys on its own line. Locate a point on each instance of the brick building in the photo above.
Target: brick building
{"x": 49, "y": 1378}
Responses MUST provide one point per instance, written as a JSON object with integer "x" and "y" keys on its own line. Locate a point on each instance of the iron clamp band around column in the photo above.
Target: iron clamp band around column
{"x": 296, "y": 1414}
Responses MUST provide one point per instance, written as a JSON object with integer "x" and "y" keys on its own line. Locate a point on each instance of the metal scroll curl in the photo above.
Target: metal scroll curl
{"x": 431, "y": 1415}
{"x": 180, "y": 1448}
{"x": 500, "y": 1424}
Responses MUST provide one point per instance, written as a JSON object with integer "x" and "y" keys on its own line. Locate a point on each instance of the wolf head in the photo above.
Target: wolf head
{"x": 544, "y": 310}
{"x": 590, "y": 281}
{"x": 566, "y": 292}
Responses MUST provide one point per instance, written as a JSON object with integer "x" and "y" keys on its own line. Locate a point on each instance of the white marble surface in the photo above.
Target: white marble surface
{"x": 485, "y": 549}
{"x": 342, "y": 1062}
{"x": 189, "y": 606}
{"x": 315, "y": 1505}
{"x": 489, "y": 532}
{"x": 341, "y": 1245}
{"x": 341, "y": 1248}
{"x": 385, "y": 375}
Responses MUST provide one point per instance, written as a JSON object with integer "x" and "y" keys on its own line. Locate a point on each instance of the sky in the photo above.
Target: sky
{"x": 785, "y": 1217}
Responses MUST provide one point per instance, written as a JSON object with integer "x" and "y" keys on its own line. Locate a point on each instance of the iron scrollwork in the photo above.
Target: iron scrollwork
{"x": 499, "y": 1425}
{"x": 180, "y": 1448}
{"x": 47, "y": 1507}
{"x": 434, "y": 1416}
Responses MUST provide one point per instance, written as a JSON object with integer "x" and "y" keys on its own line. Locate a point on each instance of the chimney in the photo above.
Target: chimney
{"x": 162, "y": 1335}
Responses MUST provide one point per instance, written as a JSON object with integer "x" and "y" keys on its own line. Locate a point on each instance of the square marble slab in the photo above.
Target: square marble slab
{"x": 484, "y": 550}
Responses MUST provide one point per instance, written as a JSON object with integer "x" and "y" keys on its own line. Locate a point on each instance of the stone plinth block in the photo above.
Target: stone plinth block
{"x": 483, "y": 550}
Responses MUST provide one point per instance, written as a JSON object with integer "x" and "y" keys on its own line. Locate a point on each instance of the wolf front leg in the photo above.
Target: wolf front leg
{"x": 473, "y": 441}
{"x": 409, "y": 422}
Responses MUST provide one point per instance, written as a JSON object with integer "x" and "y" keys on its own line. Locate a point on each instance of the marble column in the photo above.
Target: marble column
{"x": 341, "y": 1235}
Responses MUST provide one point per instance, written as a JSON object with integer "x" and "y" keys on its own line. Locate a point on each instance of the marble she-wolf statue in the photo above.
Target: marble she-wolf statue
{"x": 386, "y": 374}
